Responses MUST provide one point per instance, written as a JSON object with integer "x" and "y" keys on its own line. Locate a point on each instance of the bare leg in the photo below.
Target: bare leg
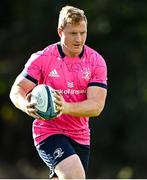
{"x": 70, "y": 168}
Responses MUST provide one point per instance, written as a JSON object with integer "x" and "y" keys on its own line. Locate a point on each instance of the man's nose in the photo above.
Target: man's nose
{"x": 78, "y": 37}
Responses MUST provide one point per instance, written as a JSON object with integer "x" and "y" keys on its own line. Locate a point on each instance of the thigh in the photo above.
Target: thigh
{"x": 74, "y": 166}
{"x": 70, "y": 168}
{"x": 83, "y": 151}
{"x": 55, "y": 149}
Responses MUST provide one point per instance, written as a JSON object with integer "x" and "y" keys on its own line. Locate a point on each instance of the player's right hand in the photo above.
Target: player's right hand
{"x": 30, "y": 108}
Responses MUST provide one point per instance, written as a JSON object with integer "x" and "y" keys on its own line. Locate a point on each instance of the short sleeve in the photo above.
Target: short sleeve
{"x": 32, "y": 69}
{"x": 99, "y": 73}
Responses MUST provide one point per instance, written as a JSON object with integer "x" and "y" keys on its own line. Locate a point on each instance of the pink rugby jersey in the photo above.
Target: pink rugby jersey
{"x": 71, "y": 77}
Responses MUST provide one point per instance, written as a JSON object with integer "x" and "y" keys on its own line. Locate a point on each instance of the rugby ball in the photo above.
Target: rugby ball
{"x": 43, "y": 96}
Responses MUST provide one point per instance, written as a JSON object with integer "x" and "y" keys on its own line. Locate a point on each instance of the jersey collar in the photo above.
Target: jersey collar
{"x": 62, "y": 53}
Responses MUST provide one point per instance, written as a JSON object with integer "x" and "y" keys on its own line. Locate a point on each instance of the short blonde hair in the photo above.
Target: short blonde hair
{"x": 70, "y": 14}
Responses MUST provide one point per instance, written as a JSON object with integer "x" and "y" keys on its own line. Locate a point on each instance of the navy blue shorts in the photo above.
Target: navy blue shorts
{"x": 58, "y": 147}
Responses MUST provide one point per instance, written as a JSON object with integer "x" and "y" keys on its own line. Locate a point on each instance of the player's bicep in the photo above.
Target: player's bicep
{"x": 97, "y": 95}
{"x": 23, "y": 83}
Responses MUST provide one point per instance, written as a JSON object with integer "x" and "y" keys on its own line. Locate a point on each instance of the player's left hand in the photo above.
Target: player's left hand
{"x": 60, "y": 103}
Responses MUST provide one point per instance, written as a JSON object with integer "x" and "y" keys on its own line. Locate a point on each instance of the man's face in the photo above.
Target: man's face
{"x": 73, "y": 37}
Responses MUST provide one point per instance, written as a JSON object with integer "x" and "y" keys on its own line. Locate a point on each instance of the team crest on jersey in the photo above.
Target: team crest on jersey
{"x": 86, "y": 74}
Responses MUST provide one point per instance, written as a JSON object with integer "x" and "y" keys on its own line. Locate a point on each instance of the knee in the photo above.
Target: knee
{"x": 73, "y": 174}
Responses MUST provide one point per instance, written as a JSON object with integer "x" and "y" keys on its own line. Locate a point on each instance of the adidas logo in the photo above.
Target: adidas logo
{"x": 53, "y": 73}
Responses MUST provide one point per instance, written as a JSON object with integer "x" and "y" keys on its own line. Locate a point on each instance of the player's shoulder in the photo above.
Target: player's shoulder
{"x": 44, "y": 53}
{"x": 52, "y": 48}
{"x": 93, "y": 54}
{"x": 89, "y": 49}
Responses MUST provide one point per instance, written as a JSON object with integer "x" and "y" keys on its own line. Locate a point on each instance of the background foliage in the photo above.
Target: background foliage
{"x": 118, "y": 31}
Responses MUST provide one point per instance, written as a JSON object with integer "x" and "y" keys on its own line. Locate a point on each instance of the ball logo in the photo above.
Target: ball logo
{"x": 41, "y": 102}
{"x": 42, "y": 96}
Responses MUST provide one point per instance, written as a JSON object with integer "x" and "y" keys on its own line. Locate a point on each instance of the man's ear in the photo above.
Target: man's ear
{"x": 59, "y": 30}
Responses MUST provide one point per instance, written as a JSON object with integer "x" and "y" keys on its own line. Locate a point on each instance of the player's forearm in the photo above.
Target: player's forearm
{"x": 87, "y": 108}
{"x": 17, "y": 96}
